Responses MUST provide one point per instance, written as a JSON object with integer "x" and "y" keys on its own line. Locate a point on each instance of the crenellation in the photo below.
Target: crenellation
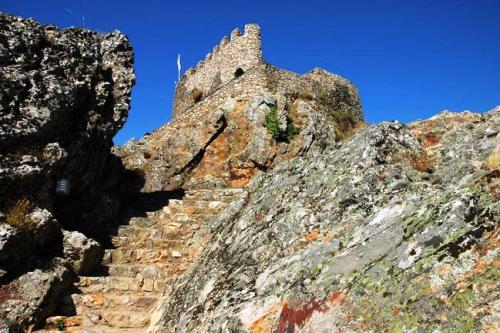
{"x": 225, "y": 40}
{"x": 231, "y": 58}
{"x": 235, "y": 33}
{"x": 252, "y": 29}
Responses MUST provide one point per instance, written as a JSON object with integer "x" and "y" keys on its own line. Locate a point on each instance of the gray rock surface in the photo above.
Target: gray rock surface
{"x": 20, "y": 247}
{"x": 28, "y": 300}
{"x": 393, "y": 230}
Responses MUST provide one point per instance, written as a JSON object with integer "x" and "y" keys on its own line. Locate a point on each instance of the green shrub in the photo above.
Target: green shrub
{"x": 273, "y": 126}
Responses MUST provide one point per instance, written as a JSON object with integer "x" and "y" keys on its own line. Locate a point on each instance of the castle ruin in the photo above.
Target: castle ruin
{"x": 236, "y": 67}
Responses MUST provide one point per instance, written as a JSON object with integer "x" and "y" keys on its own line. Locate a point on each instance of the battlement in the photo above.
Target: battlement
{"x": 231, "y": 58}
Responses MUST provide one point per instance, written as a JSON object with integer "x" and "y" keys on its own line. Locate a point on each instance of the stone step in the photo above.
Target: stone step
{"x": 194, "y": 207}
{"x": 142, "y": 255}
{"x": 103, "y": 284}
{"x": 87, "y": 302}
{"x": 93, "y": 329}
{"x": 116, "y": 319}
{"x": 148, "y": 240}
{"x": 59, "y": 323}
{"x": 142, "y": 222}
{"x": 177, "y": 230}
{"x": 147, "y": 271}
{"x": 227, "y": 194}
{"x": 190, "y": 218}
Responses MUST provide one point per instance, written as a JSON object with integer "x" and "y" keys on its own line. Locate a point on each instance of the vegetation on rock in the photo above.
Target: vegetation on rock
{"x": 17, "y": 214}
{"x": 272, "y": 124}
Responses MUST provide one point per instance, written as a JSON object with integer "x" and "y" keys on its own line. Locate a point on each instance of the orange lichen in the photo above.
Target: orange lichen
{"x": 430, "y": 139}
{"x": 296, "y": 316}
{"x": 265, "y": 323}
{"x": 312, "y": 235}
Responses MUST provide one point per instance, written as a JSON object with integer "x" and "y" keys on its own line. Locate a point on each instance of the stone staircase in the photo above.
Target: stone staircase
{"x": 147, "y": 253}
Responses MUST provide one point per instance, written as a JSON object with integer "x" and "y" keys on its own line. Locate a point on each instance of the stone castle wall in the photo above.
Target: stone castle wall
{"x": 236, "y": 68}
{"x": 229, "y": 60}
{"x": 266, "y": 77}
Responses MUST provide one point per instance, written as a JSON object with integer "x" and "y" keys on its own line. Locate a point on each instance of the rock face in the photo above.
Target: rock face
{"x": 236, "y": 115}
{"x": 28, "y": 300}
{"x": 393, "y": 230}
{"x": 63, "y": 96}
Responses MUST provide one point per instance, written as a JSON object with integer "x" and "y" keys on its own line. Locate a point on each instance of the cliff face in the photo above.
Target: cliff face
{"x": 63, "y": 96}
{"x": 393, "y": 230}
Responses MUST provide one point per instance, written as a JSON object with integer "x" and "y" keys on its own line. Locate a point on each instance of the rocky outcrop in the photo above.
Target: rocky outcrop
{"x": 24, "y": 246}
{"x": 28, "y": 300}
{"x": 393, "y": 230}
{"x": 63, "y": 96}
{"x": 84, "y": 254}
{"x": 248, "y": 126}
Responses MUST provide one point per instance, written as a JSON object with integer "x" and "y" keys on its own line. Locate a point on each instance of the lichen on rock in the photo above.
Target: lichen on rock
{"x": 357, "y": 239}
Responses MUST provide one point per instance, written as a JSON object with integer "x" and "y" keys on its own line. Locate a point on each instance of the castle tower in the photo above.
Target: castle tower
{"x": 229, "y": 60}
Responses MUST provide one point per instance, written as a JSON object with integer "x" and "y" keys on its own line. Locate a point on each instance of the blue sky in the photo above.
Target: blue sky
{"x": 409, "y": 59}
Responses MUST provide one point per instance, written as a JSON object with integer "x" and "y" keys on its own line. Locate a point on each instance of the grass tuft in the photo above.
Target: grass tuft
{"x": 17, "y": 214}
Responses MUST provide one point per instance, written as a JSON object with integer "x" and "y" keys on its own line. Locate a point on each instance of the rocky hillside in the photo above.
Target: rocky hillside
{"x": 63, "y": 96}
{"x": 290, "y": 214}
{"x": 393, "y": 230}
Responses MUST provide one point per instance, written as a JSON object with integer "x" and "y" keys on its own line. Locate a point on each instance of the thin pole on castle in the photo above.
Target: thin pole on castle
{"x": 178, "y": 67}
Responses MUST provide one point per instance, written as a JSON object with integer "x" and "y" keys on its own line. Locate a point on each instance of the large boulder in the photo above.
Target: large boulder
{"x": 24, "y": 243}
{"x": 28, "y": 300}
{"x": 396, "y": 229}
{"x": 84, "y": 254}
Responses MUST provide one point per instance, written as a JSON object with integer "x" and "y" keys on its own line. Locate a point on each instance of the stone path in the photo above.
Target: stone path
{"x": 147, "y": 253}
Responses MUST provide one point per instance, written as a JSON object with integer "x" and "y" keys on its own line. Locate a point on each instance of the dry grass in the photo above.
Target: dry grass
{"x": 346, "y": 125}
{"x": 17, "y": 214}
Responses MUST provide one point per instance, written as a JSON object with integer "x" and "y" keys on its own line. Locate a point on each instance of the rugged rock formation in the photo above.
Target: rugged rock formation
{"x": 387, "y": 228}
{"x": 236, "y": 115}
{"x": 393, "y": 230}
{"x": 63, "y": 96}
{"x": 28, "y": 300}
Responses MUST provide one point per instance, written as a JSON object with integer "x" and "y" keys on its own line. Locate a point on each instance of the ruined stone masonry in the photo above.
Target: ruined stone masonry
{"x": 218, "y": 136}
{"x": 236, "y": 66}
{"x": 229, "y": 60}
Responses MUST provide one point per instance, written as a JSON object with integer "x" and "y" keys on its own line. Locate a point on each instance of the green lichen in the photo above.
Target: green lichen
{"x": 460, "y": 303}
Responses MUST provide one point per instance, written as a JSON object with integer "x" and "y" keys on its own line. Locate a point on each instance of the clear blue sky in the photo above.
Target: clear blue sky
{"x": 409, "y": 59}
